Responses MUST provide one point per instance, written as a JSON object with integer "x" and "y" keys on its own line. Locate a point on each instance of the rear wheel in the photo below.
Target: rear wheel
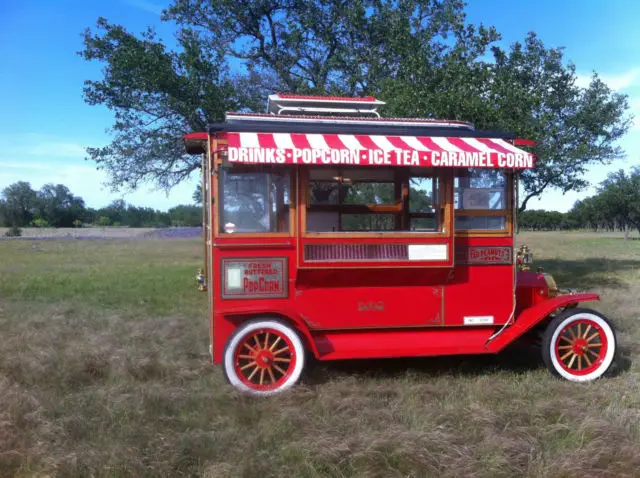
{"x": 263, "y": 357}
{"x": 579, "y": 345}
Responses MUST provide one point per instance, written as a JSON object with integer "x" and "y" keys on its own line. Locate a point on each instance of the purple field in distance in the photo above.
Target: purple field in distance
{"x": 122, "y": 233}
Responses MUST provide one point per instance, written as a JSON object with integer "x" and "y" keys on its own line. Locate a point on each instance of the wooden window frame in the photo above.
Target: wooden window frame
{"x": 217, "y": 189}
{"x": 401, "y": 176}
{"x": 507, "y": 213}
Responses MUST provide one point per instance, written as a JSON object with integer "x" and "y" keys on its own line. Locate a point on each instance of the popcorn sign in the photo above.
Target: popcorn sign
{"x": 254, "y": 278}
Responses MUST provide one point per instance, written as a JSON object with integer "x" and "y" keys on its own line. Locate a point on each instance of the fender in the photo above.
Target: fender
{"x": 288, "y": 314}
{"x": 532, "y": 316}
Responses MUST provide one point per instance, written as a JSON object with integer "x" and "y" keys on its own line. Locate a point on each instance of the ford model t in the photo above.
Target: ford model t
{"x": 337, "y": 234}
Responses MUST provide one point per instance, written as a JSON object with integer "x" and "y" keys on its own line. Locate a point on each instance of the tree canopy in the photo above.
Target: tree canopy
{"x": 422, "y": 57}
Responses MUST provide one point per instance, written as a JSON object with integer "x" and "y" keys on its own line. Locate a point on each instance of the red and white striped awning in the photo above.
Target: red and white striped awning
{"x": 375, "y": 150}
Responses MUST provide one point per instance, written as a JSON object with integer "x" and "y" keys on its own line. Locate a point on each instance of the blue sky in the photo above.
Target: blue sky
{"x": 45, "y": 125}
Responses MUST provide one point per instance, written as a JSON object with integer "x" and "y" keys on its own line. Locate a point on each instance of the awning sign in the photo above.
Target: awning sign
{"x": 370, "y": 150}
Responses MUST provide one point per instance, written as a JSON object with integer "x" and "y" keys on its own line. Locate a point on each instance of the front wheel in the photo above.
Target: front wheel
{"x": 579, "y": 345}
{"x": 263, "y": 357}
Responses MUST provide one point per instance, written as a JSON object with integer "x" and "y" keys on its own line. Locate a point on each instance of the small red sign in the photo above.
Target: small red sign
{"x": 474, "y": 255}
{"x": 254, "y": 278}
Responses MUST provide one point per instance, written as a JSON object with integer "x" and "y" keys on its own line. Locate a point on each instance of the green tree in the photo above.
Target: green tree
{"x": 197, "y": 194}
{"x": 58, "y": 206}
{"x": 103, "y": 221}
{"x": 619, "y": 199}
{"x": 422, "y": 57}
{"x": 185, "y": 215}
{"x": 19, "y": 204}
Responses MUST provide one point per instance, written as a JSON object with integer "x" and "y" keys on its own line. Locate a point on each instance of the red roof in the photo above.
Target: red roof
{"x": 195, "y": 143}
{"x": 289, "y": 96}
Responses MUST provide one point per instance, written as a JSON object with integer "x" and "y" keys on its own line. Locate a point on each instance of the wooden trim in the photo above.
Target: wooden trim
{"x": 482, "y": 233}
{"x": 423, "y": 215}
{"x": 215, "y": 194}
{"x": 248, "y": 235}
{"x": 356, "y": 208}
{"x": 376, "y": 235}
{"x": 482, "y": 212}
{"x": 231, "y": 245}
{"x": 402, "y": 191}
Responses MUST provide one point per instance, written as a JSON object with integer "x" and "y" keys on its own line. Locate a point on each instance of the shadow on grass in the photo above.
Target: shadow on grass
{"x": 519, "y": 358}
{"x": 586, "y": 273}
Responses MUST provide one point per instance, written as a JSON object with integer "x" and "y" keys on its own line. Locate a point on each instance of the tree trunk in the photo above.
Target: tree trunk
{"x": 626, "y": 232}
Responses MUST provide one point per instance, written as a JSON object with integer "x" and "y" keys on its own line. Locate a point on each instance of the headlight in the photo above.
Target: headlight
{"x": 524, "y": 258}
{"x": 551, "y": 285}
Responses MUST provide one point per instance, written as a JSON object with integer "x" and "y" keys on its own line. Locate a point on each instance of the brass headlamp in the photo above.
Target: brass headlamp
{"x": 524, "y": 258}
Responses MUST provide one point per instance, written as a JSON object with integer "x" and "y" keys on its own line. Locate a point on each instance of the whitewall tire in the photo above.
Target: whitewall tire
{"x": 579, "y": 345}
{"x": 264, "y": 357}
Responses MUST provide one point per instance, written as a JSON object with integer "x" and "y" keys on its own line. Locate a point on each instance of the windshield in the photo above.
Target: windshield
{"x": 254, "y": 202}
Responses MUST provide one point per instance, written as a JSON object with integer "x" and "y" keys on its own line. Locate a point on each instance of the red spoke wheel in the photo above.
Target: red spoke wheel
{"x": 263, "y": 357}
{"x": 579, "y": 345}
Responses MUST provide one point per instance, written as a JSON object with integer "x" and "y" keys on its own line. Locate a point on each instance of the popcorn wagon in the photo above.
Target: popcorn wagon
{"x": 333, "y": 233}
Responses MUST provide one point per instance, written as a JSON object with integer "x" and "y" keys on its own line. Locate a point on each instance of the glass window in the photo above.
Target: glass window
{"x": 324, "y": 192}
{"x": 422, "y": 197}
{"x": 480, "y": 189}
{"x": 369, "y": 193}
{"x": 424, "y": 224}
{"x": 254, "y": 202}
{"x": 368, "y": 222}
{"x": 490, "y": 223}
{"x": 370, "y": 199}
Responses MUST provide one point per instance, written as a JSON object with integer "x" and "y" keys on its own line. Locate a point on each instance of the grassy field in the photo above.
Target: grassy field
{"x": 104, "y": 372}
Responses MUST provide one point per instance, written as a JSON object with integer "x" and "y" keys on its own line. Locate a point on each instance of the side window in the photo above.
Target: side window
{"x": 480, "y": 200}
{"x": 424, "y": 205}
{"x": 351, "y": 200}
{"x": 374, "y": 199}
{"x": 254, "y": 202}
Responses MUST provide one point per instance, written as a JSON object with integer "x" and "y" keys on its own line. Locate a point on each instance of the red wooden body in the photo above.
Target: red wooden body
{"x": 473, "y": 300}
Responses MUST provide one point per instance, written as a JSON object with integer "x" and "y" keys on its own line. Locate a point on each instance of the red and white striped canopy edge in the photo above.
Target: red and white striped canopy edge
{"x": 375, "y": 150}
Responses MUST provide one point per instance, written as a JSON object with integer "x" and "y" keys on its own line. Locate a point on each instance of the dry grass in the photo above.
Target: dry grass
{"x": 104, "y": 372}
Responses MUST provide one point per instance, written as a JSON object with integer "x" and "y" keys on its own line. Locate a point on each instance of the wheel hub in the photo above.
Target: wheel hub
{"x": 579, "y": 346}
{"x": 264, "y": 359}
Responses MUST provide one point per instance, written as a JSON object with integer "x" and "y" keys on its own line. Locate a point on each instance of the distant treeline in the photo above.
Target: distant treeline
{"x": 615, "y": 207}
{"x": 55, "y": 206}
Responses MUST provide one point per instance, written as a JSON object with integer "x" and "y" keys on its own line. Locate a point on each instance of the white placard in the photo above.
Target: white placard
{"x": 234, "y": 278}
{"x": 428, "y": 252}
{"x": 478, "y": 319}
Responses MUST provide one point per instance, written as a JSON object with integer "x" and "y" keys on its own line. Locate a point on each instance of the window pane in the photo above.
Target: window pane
{"x": 368, "y": 193}
{"x": 254, "y": 202}
{"x": 323, "y": 192}
{"x": 367, "y": 222}
{"x": 426, "y": 224}
{"x": 320, "y": 221}
{"x": 480, "y": 189}
{"x": 422, "y": 197}
{"x": 492, "y": 223}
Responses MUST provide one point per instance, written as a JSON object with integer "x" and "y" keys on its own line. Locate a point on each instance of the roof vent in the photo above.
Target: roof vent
{"x": 289, "y": 104}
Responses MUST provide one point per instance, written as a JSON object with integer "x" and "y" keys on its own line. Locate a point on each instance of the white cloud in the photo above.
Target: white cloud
{"x": 17, "y": 165}
{"x": 27, "y": 146}
{"x": 617, "y": 81}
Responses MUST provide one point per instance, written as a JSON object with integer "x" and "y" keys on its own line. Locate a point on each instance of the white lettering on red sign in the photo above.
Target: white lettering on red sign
{"x": 380, "y": 157}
